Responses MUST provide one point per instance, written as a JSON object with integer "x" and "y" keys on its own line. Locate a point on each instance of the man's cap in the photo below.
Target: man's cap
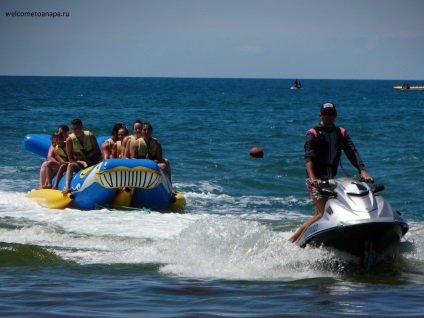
{"x": 328, "y": 108}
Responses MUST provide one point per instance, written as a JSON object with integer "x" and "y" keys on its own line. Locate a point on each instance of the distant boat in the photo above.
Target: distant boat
{"x": 409, "y": 88}
{"x": 296, "y": 85}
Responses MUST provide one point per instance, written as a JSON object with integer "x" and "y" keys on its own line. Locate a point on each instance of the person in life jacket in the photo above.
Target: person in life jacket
{"x": 323, "y": 147}
{"x": 118, "y": 147}
{"x": 51, "y": 156}
{"x": 107, "y": 145}
{"x": 82, "y": 149}
{"x": 44, "y": 184}
{"x": 148, "y": 147}
{"x": 59, "y": 165}
{"x": 129, "y": 140}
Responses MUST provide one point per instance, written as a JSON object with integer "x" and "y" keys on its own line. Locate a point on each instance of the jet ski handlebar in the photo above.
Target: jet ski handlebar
{"x": 333, "y": 181}
{"x": 329, "y": 185}
{"x": 325, "y": 190}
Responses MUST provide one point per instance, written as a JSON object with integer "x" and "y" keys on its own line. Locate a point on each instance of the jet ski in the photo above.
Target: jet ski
{"x": 356, "y": 220}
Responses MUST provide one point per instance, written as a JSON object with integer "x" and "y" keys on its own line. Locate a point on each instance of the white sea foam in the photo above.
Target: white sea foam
{"x": 194, "y": 245}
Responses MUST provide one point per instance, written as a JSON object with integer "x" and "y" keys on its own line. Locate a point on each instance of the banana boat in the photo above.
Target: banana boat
{"x": 116, "y": 183}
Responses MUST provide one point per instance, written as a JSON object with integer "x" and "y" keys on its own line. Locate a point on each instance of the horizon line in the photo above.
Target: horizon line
{"x": 203, "y": 77}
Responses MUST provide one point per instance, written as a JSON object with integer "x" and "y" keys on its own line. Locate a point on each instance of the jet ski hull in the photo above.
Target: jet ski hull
{"x": 355, "y": 219}
{"x": 356, "y": 239}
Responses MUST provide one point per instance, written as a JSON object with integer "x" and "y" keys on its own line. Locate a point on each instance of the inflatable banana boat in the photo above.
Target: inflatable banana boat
{"x": 116, "y": 183}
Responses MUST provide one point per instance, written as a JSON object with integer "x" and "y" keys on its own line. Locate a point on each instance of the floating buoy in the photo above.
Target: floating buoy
{"x": 256, "y": 152}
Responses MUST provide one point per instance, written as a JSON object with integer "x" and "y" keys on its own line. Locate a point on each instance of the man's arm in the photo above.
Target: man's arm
{"x": 96, "y": 147}
{"x": 70, "y": 150}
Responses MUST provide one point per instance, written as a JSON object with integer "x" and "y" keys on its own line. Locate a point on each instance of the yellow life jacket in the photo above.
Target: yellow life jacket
{"x": 62, "y": 153}
{"x": 144, "y": 151}
{"x": 110, "y": 141}
{"x": 86, "y": 151}
{"x": 132, "y": 139}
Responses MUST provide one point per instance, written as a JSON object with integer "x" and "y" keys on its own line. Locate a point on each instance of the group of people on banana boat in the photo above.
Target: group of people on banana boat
{"x": 74, "y": 149}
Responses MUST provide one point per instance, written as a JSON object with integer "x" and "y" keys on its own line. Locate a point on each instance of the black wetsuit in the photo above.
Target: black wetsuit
{"x": 324, "y": 150}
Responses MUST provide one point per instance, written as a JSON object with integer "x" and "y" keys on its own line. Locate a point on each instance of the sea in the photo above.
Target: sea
{"x": 228, "y": 254}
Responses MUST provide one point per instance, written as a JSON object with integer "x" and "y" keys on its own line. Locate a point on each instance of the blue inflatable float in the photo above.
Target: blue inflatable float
{"x": 117, "y": 183}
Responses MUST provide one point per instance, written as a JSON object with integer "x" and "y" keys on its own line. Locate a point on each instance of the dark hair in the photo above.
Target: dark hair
{"x": 57, "y": 133}
{"x": 127, "y": 133}
{"x": 65, "y": 128}
{"x": 76, "y": 121}
{"x": 117, "y": 126}
{"x": 138, "y": 121}
{"x": 149, "y": 125}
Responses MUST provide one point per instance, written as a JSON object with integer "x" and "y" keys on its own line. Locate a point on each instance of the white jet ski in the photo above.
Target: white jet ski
{"x": 355, "y": 219}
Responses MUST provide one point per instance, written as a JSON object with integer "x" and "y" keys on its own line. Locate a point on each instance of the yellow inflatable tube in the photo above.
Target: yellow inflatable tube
{"x": 49, "y": 198}
{"x": 178, "y": 203}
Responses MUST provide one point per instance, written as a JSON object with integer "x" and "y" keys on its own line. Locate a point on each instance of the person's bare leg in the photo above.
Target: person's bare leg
{"x": 105, "y": 150}
{"x": 319, "y": 212}
{"x": 59, "y": 174}
{"x": 52, "y": 167}
{"x": 43, "y": 174}
{"x": 69, "y": 173}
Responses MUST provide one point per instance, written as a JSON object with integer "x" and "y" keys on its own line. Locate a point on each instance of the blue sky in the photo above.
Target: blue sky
{"x": 305, "y": 39}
